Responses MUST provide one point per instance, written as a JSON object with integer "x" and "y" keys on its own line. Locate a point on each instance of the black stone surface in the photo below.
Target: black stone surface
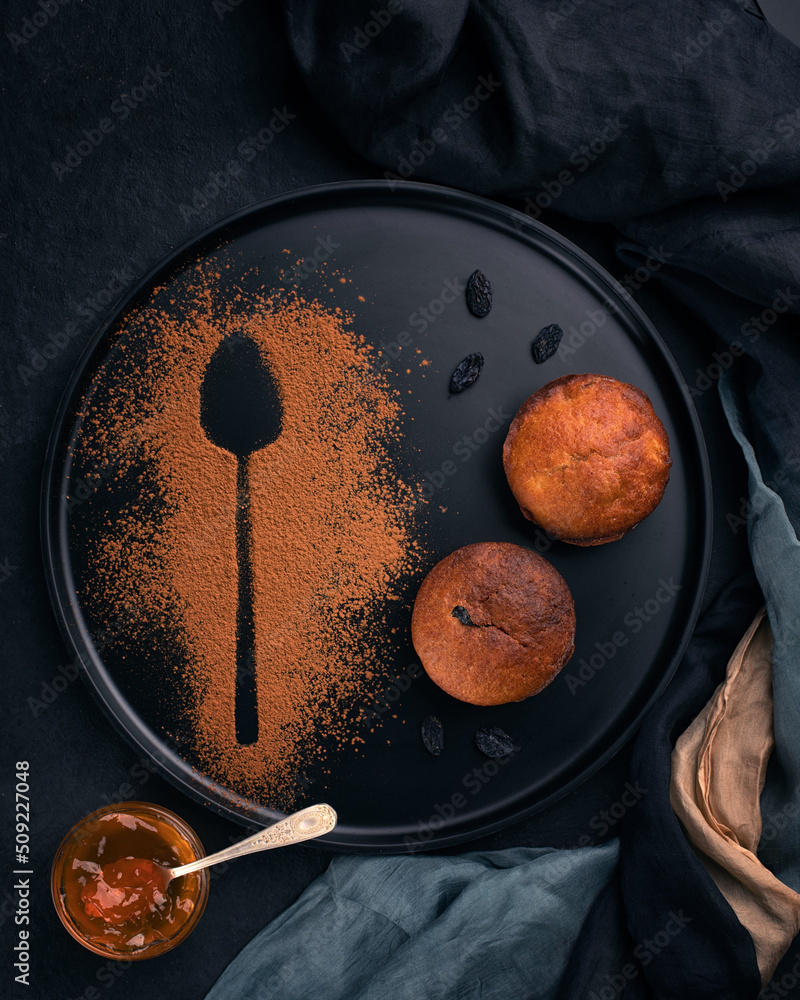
{"x": 123, "y": 128}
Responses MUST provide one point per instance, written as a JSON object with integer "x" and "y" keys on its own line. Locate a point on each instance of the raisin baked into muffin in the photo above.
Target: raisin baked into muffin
{"x": 493, "y": 623}
{"x": 587, "y": 458}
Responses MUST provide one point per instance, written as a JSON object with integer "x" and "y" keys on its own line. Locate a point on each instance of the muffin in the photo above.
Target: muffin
{"x": 493, "y": 623}
{"x": 587, "y": 458}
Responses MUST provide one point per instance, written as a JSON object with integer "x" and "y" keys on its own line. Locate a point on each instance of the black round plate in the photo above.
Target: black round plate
{"x": 409, "y": 249}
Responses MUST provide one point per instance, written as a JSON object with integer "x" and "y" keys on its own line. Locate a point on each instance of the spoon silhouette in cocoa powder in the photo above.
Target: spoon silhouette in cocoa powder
{"x": 241, "y": 411}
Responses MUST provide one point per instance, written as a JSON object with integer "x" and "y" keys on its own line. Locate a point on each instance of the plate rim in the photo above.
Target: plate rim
{"x": 91, "y": 666}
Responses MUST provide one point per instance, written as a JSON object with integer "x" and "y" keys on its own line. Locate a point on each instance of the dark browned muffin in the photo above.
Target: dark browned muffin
{"x": 493, "y": 623}
{"x": 587, "y": 458}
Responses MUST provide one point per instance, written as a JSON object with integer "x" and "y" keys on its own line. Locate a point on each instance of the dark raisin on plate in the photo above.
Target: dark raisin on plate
{"x": 433, "y": 735}
{"x": 462, "y": 614}
{"x": 479, "y": 294}
{"x": 467, "y": 372}
{"x": 493, "y": 742}
{"x": 545, "y": 343}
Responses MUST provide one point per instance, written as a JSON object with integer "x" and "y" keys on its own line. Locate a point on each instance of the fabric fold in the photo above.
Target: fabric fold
{"x": 602, "y": 110}
{"x": 719, "y": 768}
{"x": 487, "y": 925}
{"x": 714, "y": 955}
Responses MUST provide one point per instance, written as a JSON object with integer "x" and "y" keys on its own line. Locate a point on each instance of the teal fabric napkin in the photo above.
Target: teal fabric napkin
{"x": 483, "y": 926}
{"x": 776, "y": 558}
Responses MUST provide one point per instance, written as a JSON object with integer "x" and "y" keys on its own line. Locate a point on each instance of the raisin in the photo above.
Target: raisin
{"x": 545, "y": 343}
{"x": 479, "y": 294}
{"x": 463, "y": 615}
{"x": 494, "y": 742}
{"x": 433, "y": 735}
{"x": 467, "y": 372}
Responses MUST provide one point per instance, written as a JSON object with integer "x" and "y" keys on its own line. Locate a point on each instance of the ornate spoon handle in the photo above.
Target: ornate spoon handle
{"x": 315, "y": 821}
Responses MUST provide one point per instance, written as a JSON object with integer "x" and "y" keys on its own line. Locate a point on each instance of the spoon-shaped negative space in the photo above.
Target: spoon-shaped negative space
{"x": 240, "y": 402}
{"x": 241, "y": 412}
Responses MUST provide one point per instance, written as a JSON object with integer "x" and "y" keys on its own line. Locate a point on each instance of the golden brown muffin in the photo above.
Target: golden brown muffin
{"x": 493, "y": 623}
{"x": 587, "y": 458}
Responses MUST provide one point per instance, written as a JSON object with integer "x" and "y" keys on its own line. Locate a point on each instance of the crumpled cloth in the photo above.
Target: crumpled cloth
{"x": 491, "y": 925}
{"x": 646, "y": 105}
{"x": 718, "y": 771}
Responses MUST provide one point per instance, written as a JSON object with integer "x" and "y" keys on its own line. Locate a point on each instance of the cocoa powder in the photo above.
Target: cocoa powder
{"x": 331, "y": 524}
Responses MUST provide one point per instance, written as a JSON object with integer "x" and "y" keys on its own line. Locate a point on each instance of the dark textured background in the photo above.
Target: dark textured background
{"x": 70, "y": 244}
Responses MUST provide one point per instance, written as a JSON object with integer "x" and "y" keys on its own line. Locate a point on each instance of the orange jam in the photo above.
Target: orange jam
{"x": 114, "y": 892}
{"x": 127, "y": 891}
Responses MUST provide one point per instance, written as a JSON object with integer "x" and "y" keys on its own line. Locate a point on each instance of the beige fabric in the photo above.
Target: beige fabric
{"x": 718, "y": 770}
